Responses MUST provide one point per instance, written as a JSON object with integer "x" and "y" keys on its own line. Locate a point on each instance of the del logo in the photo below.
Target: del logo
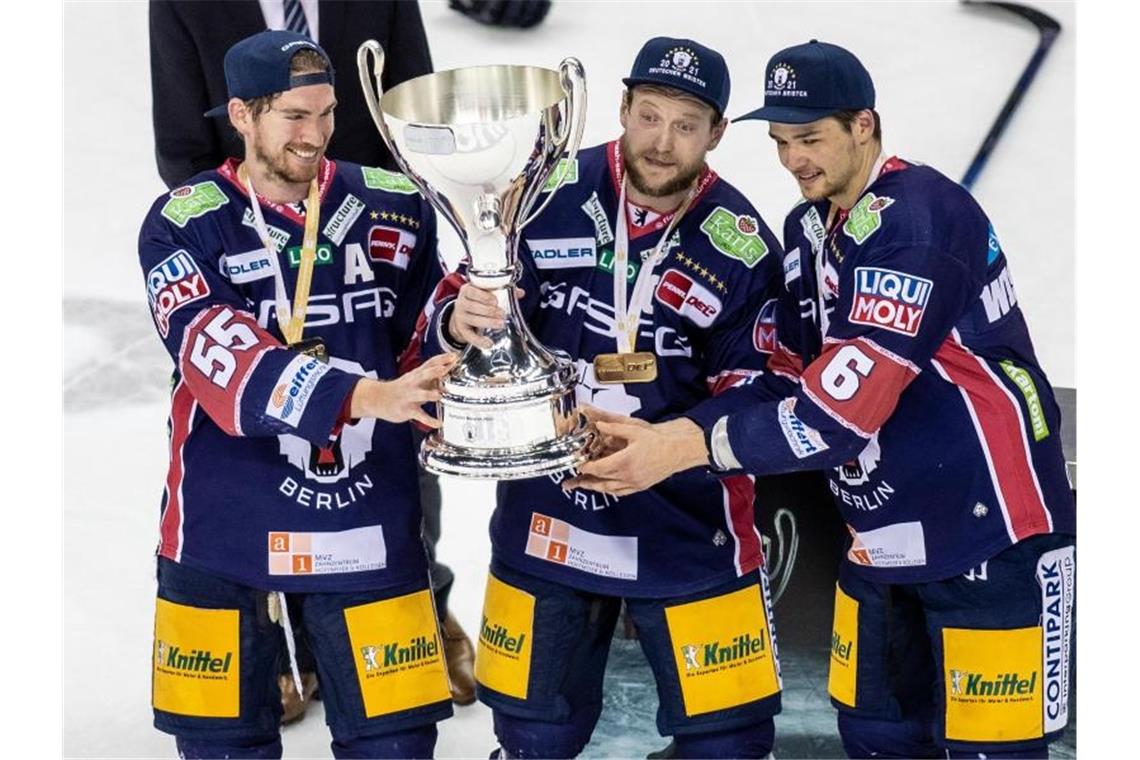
{"x": 173, "y": 283}
{"x": 387, "y": 656}
{"x": 688, "y": 298}
{"x": 194, "y": 661}
{"x": 966, "y": 684}
{"x": 888, "y": 299}
{"x": 697, "y": 656}
{"x": 563, "y": 253}
{"x": 391, "y": 246}
{"x": 764, "y": 331}
{"x": 499, "y": 637}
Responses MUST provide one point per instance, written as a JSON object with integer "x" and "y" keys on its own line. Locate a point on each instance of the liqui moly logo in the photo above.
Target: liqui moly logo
{"x": 688, "y": 298}
{"x": 173, "y": 283}
{"x": 888, "y": 299}
{"x": 391, "y": 246}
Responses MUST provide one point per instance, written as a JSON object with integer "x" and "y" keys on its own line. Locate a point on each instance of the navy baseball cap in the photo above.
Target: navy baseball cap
{"x": 259, "y": 66}
{"x": 683, "y": 65}
{"x": 807, "y": 82}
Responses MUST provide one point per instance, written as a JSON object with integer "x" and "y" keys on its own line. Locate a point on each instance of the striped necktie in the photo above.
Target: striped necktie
{"x": 295, "y": 17}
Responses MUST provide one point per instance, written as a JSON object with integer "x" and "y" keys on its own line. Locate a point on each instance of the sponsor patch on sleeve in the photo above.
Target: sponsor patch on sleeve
{"x": 764, "y": 331}
{"x": 791, "y": 267}
{"x": 171, "y": 284}
{"x": 566, "y": 173}
{"x": 736, "y": 236}
{"x": 803, "y": 439}
{"x": 389, "y": 245}
{"x": 563, "y": 253}
{"x": 688, "y": 297}
{"x": 382, "y": 179}
{"x": 294, "y": 388}
{"x": 864, "y": 217}
{"x": 889, "y": 299}
{"x": 192, "y": 201}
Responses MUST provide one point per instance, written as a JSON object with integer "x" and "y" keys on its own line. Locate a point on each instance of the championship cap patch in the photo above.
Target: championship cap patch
{"x": 888, "y": 299}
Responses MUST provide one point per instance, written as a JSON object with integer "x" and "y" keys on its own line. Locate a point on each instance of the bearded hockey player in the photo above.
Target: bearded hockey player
{"x": 657, "y": 277}
{"x": 913, "y": 381}
{"x": 284, "y": 288}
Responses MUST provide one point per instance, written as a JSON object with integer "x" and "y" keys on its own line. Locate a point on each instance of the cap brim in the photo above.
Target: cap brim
{"x": 784, "y": 115}
{"x": 221, "y": 110}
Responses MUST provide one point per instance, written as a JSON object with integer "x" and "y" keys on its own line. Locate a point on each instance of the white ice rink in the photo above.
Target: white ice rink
{"x": 942, "y": 72}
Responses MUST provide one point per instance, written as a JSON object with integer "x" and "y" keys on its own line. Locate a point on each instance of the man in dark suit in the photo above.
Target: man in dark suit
{"x": 188, "y": 42}
{"x": 189, "y": 39}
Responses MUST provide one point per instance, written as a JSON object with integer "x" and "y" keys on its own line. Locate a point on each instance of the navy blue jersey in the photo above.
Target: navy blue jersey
{"x": 710, "y": 323}
{"x": 269, "y": 483}
{"x": 918, "y": 388}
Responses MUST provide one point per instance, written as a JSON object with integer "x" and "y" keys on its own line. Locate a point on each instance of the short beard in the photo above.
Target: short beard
{"x": 278, "y": 168}
{"x": 685, "y": 178}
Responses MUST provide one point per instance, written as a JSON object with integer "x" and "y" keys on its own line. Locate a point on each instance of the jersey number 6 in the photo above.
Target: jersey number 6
{"x": 842, "y": 375}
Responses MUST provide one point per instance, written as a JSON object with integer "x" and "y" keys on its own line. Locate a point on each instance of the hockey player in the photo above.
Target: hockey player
{"x": 284, "y": 287}
{"x": 913, "y": 381}
{"x": 657, "y": 278}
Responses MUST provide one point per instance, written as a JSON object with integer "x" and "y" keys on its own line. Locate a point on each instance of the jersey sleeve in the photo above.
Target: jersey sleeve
{"x": 417, "y": 289}
{"x": 894, "y": 312}
{"x": 241, "y": 376}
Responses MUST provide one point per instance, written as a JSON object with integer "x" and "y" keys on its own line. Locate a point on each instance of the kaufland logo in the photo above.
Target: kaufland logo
{"x": 688, "y": 298}
{"x": 888, "y": 299}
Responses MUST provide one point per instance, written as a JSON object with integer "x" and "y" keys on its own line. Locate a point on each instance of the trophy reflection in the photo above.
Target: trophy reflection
{"x": 480, "y": 143}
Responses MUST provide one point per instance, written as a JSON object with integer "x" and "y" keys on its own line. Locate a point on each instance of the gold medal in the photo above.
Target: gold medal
{"x": 314, "y": 347}
{"x": 634, "y": 367}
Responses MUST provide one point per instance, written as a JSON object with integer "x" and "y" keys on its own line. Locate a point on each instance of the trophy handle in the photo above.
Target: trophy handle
{"x": 574, "y": 85}
{"x": 372, "y": 98}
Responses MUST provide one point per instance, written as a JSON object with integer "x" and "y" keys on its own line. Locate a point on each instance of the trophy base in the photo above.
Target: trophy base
{"x": 442, "y": 458}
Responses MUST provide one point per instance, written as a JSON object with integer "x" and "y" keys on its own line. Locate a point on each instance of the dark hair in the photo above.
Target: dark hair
{"x": 847, "y": 118}
{"x": 669, "y": 92}
{"x": 304, "y": 61}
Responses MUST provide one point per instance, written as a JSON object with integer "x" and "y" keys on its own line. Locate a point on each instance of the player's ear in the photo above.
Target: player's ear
{"x": 240, "y": 116}
{"x": 718, "y": 132}
{"x": 623, "y": 110}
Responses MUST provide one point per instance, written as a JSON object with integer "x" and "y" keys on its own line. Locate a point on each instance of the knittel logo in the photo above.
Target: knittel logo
{"x": 501, "y": 638}
{"x": 194, "y": 662}
{"x": 966, "y": 684}
{"x": 379, "y": 659}
{"x": 782, "y": 82}
{"x": 743, "y": 648}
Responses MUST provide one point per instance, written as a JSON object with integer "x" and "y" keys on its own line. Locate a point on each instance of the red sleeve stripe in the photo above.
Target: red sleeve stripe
{"x": 885, "y": 352}
{"x": 729, "y": 378}
{"x": 784, "y": 363}
{"x": 739, "y": 517}
{"x": 182, "y": 410}
{"x": 1001, "y": 433}
{"x": 447, "y": 288}
{"x": 878, "y": 377}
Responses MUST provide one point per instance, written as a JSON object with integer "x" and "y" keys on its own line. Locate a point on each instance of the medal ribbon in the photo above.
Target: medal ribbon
{"x": 291, "y": 326}
{"x": 627, "y": 320}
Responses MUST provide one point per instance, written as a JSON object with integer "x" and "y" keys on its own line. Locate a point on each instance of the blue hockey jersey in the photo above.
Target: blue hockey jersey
{"x": 710, "y": 323}
{"x": 268, "y": 483}
{"x": 917, "y": 387}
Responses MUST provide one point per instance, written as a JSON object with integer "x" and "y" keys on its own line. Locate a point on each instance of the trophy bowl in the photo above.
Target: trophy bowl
{"x": 481, "y": 143}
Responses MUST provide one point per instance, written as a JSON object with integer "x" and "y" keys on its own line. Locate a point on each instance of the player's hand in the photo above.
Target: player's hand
{"x": 604, "y": 444}
{"x": 402, "y": 399}
{"x": 475, "y": 310}
{"x": 643, "y": 454}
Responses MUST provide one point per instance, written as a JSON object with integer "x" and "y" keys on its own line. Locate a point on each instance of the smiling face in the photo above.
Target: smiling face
{"x": 285, "y": 142}
{"x": 664, "y": 144}
{"x": 826, "y": 159}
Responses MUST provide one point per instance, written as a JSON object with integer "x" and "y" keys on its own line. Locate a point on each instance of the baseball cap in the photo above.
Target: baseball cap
{"x": 683, "y": 65}
{"x": 807, "y": 82}
{"x": 259, "y": 66}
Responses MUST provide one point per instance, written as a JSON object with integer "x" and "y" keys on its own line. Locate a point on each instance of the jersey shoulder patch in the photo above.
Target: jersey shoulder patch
{"x": 735, "y": 235}
{"x": 192, "y": 201}
{"x": 376, "y": 178}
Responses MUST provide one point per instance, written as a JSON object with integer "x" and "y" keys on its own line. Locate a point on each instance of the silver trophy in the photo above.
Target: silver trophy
{"x": 481, "y": 143}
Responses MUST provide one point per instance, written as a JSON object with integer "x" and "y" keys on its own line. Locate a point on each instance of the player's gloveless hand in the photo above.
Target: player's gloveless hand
{"x": 402, "y": 399}
{"x": 475, "y": 310}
